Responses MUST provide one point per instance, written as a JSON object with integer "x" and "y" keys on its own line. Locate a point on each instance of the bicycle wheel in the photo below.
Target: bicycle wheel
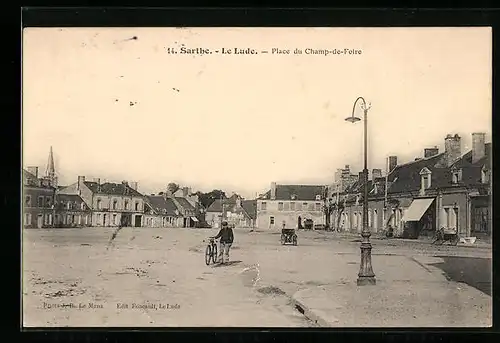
{"x": 214, "y": 253}
{"x": 208, "y": 254}
{"x": 294, "y": 241}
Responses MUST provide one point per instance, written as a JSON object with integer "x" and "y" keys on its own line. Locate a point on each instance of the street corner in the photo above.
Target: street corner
{"x": 317, "y": 305}
{"x": 428, "y": 263}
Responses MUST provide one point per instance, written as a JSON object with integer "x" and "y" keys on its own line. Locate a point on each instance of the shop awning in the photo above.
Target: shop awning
{"x": 417, "y": 209}
{"x": 194, "y": 219}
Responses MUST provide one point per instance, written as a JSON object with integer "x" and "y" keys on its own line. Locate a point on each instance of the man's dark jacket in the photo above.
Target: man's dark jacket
{"x": 226, "y": 235}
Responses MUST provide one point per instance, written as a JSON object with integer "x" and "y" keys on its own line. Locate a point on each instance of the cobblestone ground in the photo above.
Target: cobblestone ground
{"x": 157, "y": 277}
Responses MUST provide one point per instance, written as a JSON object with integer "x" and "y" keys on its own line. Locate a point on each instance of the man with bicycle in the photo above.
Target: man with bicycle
{"x": 226, "y": 240}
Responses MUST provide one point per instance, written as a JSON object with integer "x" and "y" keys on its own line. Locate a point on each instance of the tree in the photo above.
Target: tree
{"x": 328, "y": 208}
{"x": 206, "y": 199}
{"x": 173, "y": 187}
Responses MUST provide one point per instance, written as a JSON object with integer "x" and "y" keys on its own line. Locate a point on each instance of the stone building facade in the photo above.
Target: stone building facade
{"x": 291, "y": 206}
{"x": 111, "y": 204}
{"x": 447, "y": 190}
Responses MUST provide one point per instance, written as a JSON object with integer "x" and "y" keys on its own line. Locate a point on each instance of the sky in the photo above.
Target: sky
{"x": 114, "y": 104}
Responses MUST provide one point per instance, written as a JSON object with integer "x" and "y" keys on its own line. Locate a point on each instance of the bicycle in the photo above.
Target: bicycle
{"x": 211, "y": 252}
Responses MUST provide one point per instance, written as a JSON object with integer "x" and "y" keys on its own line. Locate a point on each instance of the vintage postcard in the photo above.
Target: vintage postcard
{"x": 257, "y": 177}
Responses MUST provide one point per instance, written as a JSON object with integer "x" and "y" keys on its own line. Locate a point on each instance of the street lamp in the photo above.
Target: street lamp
{"x": 366, "y": 276}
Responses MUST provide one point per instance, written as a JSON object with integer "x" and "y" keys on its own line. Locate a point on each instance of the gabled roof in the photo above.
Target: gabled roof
{"x": 250, "y": 207}
{"x": 301, "y": 192}
{"x": 184, "y": 203}
{"x": 162, "y": 205}
{"x": 216, "y": 205}
{"x": 112, "y": 189}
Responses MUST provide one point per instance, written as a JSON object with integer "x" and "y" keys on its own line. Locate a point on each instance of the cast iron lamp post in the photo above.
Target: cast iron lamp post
{"x": 366, "y": 276}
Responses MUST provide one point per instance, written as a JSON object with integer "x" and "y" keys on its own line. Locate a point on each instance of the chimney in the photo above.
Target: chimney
{"x": 189, "y": 191}
{"x": 33, "y": 170}
{"x": 452, "y": 149}
{"x": 273, "y": 190}
{"x": 184, "y": 192}
{"x": 133, "y": 185}
{"x": 238, "y": 202}
{"x": 429, "y": 152}
{"x": 393, "y": 162}
{"x": 125, "y": 187}
{"x": 97, "y": 180}
{"x": 81, "y": 180}
{"x": 478, "y": 146}
{"x": 376, "y": 173}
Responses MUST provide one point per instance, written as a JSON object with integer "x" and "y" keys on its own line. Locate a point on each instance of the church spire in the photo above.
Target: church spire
{"x": 50, "y": 172}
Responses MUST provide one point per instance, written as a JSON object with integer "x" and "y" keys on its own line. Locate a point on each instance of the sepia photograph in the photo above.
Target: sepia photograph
{"x": 256, "y": 177}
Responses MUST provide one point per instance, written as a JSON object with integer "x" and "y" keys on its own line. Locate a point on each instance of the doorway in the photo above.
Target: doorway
{"x": 39, "y": 221}
{"x": 138, "y": 220}
{"x": 299, "y": 224}
{"x": 480, "y": 221}
{"x": 104, "y": 220}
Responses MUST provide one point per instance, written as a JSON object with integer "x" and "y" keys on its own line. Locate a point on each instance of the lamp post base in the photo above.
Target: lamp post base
{"x": 366, "y": 276}
{"x": 366, "y": 281}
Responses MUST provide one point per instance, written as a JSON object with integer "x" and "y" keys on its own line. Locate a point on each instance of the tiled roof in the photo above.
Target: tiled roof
{"x": 28, "y": 175}
{"x": 301, "y": 192}
{"x": 63, "y": 199}
{"x": 250, "y": 207}
{"x": 406, "y": 177}
{"x": 112, "y": 189}
{"x": 68, "y": 198}
{"x": 184, "y": 203}
{"x": 159, "y": 204}
{"x": 33, "y": 182}
{"x": 466, "y": 160}
{"x": 471, "y": 172}
{"x": 216, "y": 206}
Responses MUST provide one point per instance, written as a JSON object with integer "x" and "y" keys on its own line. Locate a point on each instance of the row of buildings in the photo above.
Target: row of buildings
{"x": 107, "y": 204}
{"x": 448, "y": 189}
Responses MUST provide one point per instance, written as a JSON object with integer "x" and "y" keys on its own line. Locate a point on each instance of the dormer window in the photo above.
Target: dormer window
{"x": 294, "y": 197}
{"x": 485, "y": 175}
{"x": 318, "y": 197}
{"x": 456, "y": 176}
{"x": 425, "y": 179}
